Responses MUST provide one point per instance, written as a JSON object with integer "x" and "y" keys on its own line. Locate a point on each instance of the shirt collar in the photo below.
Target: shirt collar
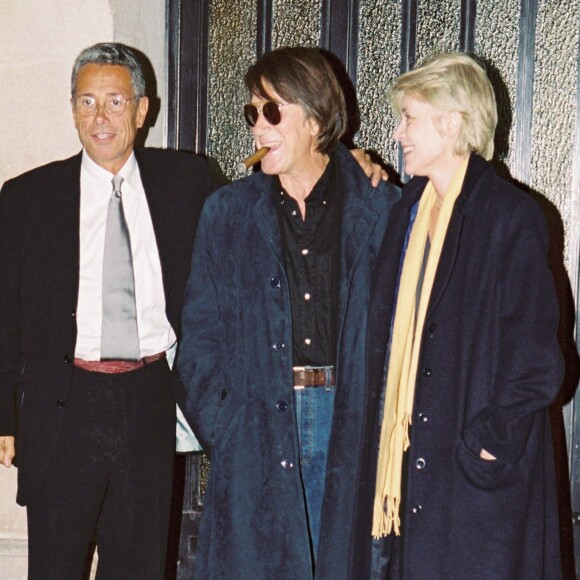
{"x": 320, "y": 193}
{"x": 129, "y": 172}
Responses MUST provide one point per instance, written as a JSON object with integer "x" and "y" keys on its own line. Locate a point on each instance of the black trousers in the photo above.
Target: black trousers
{"x": 109, "y": 479}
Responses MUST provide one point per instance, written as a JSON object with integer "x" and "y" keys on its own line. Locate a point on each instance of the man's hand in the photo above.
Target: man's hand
{"x": 7, "y": 451}
{"x": 487, "y": 455}
{"x": 372, "y": 170}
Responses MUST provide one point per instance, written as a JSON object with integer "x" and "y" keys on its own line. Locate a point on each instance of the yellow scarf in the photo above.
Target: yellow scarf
{"x": 404, "y": 358}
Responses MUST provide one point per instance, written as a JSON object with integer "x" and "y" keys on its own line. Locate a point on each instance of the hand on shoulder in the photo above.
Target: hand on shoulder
{"x": 7, "y": 450}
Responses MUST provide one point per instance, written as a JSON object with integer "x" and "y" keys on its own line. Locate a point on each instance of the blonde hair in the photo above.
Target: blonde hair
{"x": 453, "y": 81}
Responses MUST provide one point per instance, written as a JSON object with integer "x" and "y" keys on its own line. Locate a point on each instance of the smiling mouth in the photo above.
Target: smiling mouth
{"x": 273, "y": 145}
{"x": 408, "y": 149}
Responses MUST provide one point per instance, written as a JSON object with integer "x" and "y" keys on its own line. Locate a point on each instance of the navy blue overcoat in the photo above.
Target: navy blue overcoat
{"x": 489, "y": 367}
{"x": 236, "y": 363}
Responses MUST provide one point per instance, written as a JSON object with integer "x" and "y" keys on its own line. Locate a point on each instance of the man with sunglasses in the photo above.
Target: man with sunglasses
{"x": 86, "y": 320}
{"x": 272, "y": 354}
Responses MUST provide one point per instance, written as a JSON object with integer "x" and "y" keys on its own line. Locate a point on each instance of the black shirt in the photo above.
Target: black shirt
{"x": 312, "y": 254}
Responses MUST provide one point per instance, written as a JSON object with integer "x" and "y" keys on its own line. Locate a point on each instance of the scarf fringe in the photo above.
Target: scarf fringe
{"x": 389, "y": 519}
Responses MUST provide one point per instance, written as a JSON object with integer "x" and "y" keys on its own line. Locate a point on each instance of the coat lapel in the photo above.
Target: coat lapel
{"x": 386, "y": 273}
{"x": 411, "y": 194}
{"x": 447, "y": 259}
{"x": 62, "y": 213}
{"x": 162, "y": 209}
{"x": 453, "y": 237}
{"x": 265, "y": 215}
{"x": 358, "y": 223}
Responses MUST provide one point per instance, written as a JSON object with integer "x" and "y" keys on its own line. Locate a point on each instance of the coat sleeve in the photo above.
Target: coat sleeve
{"x": 530, "y": 366}
{"x": 209, "y": 401}
{"x": 10, "y": 248}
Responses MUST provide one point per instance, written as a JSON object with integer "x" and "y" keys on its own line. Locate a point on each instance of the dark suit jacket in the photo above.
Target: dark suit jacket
{"x": 39, "y": 281}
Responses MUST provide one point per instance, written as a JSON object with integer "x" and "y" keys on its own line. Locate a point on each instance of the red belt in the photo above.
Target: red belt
{"x": 117, "y": 366}
{"x": 313, "y": 377}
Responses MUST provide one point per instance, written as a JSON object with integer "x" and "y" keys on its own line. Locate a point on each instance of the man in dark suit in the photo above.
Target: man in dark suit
{"x": 95, "y": 402}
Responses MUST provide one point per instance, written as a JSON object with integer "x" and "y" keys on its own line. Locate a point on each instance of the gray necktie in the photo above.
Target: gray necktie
{"x": 119, "y": 337}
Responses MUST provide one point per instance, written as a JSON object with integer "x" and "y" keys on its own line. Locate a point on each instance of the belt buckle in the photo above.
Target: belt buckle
{"x": 295, "y": 370}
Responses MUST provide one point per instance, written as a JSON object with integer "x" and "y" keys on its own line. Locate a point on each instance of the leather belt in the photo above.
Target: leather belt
{"x": 117, "y": 366}
{"x": 311, "y": 377}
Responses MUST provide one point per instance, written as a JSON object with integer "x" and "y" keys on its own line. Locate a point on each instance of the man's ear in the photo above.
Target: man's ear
{"x": 74, "y": 113}
{"x": 141, "y": 113}
{"x": 314, "y": 127}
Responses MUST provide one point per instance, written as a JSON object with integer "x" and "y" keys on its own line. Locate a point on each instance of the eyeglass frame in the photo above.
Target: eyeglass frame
{"x": 260, "y": 110}
{"x": 104, "y": 104}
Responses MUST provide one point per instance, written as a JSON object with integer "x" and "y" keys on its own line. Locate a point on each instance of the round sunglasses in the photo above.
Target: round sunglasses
{"x": 269, "y": 109}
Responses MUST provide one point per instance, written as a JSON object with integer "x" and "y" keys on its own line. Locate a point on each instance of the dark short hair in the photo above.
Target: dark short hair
{"x": 303, "y": 76}
{"x": 113, "y": 53}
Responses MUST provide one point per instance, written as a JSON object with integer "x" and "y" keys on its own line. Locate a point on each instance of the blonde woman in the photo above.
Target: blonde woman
{"x": 462, "y": 340}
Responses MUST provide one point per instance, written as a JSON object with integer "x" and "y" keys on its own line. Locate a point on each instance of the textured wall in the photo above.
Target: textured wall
{"x": 378, "y": 62}
{"x": 554, "y": 105}
{"x": 437, "y": 26}
{"x": 496, "y": 40}
{"x": 232, "y": 49}
{"x": 295, "y": 22}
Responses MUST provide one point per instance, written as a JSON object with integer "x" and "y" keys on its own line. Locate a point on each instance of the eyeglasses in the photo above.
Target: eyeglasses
{"x": 269, "y": 109}
{"x": 114, "y": 105}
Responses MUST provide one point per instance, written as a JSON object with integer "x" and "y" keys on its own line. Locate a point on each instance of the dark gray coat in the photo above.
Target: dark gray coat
{"x": 489, "y": 368}
{"x": 236, "y": 363}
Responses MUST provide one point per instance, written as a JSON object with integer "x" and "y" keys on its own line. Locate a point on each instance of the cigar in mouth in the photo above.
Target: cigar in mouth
{"x": 244, "y": 165}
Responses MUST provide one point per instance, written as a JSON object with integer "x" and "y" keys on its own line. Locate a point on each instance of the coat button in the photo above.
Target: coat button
{"x": 286, "y": 464}
{"x": 67, "y": 359}
{"x": 278, "y": 345}
{"x": 423, "y": 418}
{"x": 281, "y": 406}
{"x": 427, "y": 372}
{"x": 275, "y": 282}
{"x": 432, "y": 327}
{"x": 420, "y": 463}
{"x": 416, "y": 509}
{"x": 60, "y": 403}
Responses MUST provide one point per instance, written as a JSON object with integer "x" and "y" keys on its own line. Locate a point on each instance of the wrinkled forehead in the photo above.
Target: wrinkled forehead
{"x": 107, "y": 78}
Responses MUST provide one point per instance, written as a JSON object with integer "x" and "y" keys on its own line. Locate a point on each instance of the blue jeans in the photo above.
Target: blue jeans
{"x": 314, "y": 410}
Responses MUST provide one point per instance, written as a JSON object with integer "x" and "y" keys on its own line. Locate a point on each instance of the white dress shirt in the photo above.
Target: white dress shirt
{"x": 155, "y": 332}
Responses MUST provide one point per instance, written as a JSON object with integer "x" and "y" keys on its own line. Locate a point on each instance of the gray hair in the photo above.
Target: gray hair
{"x": 113, "y": 53}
